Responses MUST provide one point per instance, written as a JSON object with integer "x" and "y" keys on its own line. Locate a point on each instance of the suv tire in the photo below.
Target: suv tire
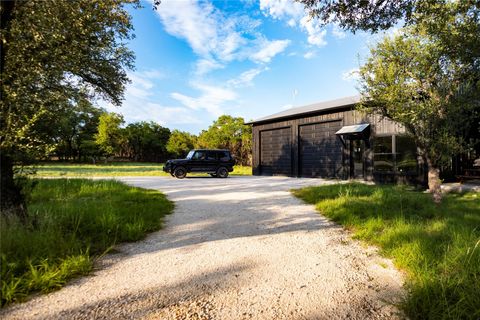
{"x": 222, "y": 172}
{"x": 180, "y": 172}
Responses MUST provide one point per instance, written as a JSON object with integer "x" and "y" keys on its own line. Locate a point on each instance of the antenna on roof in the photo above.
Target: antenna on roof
{"x": 295, "y": 93}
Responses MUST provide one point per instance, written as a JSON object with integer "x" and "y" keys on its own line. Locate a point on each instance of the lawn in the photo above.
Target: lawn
{"x": 438, "y": 246}
{"x": 58, "y": 169}
{"x": 72, "y": 222}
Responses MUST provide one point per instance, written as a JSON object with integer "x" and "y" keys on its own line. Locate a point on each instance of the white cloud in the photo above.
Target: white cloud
{"x": 338, "y": 32}
{"x": 152, "y": 74}
{"x": 215, "y": 38}
{"x": 246, "y": 78}
{"x": 351, "y": 75}
{"x": 292, "y": 22}
{"x": 309, "y": 54}
{"x": 140, "y": 104}
{"x": 142, "y": 83}
{"x": 316, "y": 34}
{"x": 204, "y": 66}
{"x": 194, "y": 22}
{"x": 171, "y": 115}
{"x": 295, "y": 16}
{"x": 282, "y": 9}
{"x": 211, "y": 98}
{"x": 269, "y": 50}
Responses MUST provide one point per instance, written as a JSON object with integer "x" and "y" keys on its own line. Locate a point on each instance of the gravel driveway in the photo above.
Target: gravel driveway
{"x": 236, "y": 248}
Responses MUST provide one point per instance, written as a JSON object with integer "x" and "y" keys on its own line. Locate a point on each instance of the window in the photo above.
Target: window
{"x": 199, "y": 155}
{"x": 223, "y": 156}
{"x": 395, "y": 154}
{"x": 406, "y": 155}
{"x": 211, "y": 155}
{"x": 383, "y": 159}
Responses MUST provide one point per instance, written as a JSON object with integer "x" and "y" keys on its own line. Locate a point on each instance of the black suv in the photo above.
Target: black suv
{"x": 218, "y": 163}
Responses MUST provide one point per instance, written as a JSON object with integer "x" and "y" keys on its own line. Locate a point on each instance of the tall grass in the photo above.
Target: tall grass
{"x": 55, "y": 169}
{"x": 438, "y": 246}
{"x": 71, "y": 221}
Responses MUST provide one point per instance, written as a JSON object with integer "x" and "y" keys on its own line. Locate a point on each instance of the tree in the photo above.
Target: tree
{"x": 180, "y": 143}
{"x": 411, "y": 79}
{"x": 362, "y": 15}
{"x": 230, "y": 133}
{"x": 109, "y": 135}
{"x": 54, "y": 54}
{"x": 379, "y": 15}
{"x": 146, "y": 141}
{"x": 74, "y": 126}
{"x": 448, "y": 75}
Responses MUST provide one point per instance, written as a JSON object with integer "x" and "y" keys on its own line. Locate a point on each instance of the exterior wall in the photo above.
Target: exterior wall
{"x": 347, "y": 116}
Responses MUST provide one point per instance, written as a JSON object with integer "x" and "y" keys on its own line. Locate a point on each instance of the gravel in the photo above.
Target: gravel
{"x": 236, "y": 248}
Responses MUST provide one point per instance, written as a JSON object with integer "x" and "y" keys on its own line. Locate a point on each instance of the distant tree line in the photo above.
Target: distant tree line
{"x": 89, "y": 134}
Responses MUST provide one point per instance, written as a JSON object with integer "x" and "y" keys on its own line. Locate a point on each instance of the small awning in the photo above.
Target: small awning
{"x": 353, "y": 130}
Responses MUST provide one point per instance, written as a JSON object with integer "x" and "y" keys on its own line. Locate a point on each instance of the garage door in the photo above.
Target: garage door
{"x": 320, "y": 150}
{"x": 276, "y": 152}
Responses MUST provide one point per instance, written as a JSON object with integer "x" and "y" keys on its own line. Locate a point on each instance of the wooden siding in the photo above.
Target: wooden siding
{"x": 301, "y": 125}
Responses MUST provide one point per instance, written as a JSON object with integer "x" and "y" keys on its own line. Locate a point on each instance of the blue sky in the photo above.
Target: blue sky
{"x": 197, "y": 60}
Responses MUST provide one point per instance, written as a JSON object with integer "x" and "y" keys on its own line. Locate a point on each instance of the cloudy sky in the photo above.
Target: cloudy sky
{"x": 197, "y": 60}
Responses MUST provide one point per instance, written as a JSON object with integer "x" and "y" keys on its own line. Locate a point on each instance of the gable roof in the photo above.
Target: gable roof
{"x": 311, "y": 108}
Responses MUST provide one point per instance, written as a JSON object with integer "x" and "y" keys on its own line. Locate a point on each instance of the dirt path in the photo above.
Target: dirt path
{"x": 236, "y": 248}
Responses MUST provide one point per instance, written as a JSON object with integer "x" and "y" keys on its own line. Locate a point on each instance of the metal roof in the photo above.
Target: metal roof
{"x": 311, "y": 108}
{"x": 357, "y": 128}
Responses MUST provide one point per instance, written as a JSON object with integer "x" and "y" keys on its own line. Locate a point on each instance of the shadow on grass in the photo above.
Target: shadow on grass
{"x": 437, "y": 245}
{"x": 72, "y": 220}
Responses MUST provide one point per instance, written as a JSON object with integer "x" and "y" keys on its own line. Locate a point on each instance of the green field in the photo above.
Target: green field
{"x": 438, "y": 246}
{"x": 71, "y": 222}
{"x": 56, "y": 169}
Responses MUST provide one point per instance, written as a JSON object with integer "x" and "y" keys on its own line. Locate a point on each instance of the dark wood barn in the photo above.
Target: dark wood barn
{"x": 333, "y": 140}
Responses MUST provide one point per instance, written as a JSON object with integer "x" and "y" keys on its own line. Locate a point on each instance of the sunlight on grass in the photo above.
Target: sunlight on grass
{"x": 437, "y": 246}
{"x": 114, "y": 169}
{"x": 71, "y": 221}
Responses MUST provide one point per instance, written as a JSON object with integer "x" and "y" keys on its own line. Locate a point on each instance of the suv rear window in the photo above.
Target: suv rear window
{"x": 223, "y": 156}
{"x": 211, "y": 155}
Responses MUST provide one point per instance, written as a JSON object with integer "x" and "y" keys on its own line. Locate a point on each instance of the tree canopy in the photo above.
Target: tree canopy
{"x": 231, "y": 133}
{"x": 54, "y": 55}
{"x": 146, "y": 141}
{"x": 377, "y": 15}
{"x": 428, "y": 76}
{"x": 414, "y": 79}
{"x": 180, "y": 143}
{"x": 362, "y": 15}
{"x": 109, "y": 135}
{"x": 75, "y": 129}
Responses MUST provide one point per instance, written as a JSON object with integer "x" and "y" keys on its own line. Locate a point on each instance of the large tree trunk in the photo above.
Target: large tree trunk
{"x": 434, "y": 182}
{"x": 12, "y": 202}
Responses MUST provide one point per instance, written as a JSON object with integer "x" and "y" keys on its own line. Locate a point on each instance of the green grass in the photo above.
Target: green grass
{"x": 72, "y": 221}
{"x": 438, "y": 246}
{"x": 56, "y": 169}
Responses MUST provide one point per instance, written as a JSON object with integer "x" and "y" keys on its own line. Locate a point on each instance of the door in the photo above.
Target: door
{"x": 202, "y": 161}
{"x": 276, "y": 152}
{"x": 320, "y": 150}
{"x": 357, "y": 159}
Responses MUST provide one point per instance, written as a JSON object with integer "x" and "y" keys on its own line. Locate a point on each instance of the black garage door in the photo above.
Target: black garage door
{"x": 276, "y": 152}
{"x": 320, "y": 150}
